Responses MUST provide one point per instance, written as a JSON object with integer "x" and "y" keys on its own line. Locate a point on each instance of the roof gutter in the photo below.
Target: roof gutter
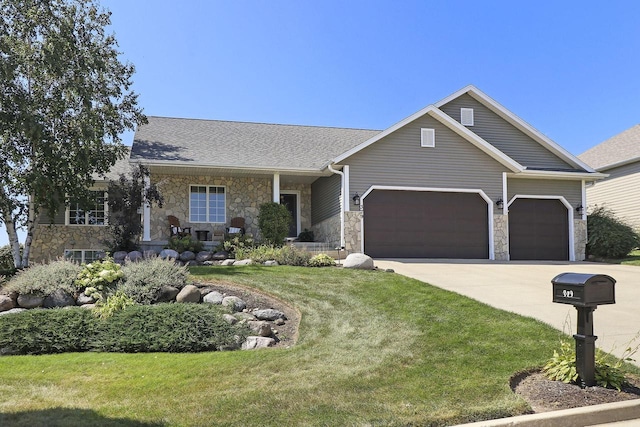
{"x": 342, "y": 204}
{"x": 587, "y": 176}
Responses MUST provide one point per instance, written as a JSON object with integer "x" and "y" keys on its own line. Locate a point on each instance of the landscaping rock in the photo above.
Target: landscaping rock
{"x": 192, "y": 263}
{"x": 247, "y": 317}
{"x": 279, "y": 322}
{"x": 243, "y": 262}
{"x": 269, "y": 314}
{"x": 220, "y": 255}
{"x": 213, "y": 298}
{"x": 260, "y": 328}
{"x": 169, "y": 253}
{"x": 167, "y": 293}
{"x": 88, "y": 306}
{"x": 6, "y": 303}
{"x": 228, "y": 262}
{"x": 271, "y": 263}
{"x": 149, "y": 254}
{"x": 59, "y": 298}
{"x": 134, "y": 256}
{"x": 84, "y": 299}
{"x": 189, "y": 293}
{"x": 119, "y": 255}
{"x": 253, "y": 343}
{"x": 187, "y": 256}
{"x": 234, "y": 303}
{"x": 203, "y": 256}
{"x": 30, "y": 301}
{"x": 358, "y": 261}
{"x": 230, "y": 319}
{"x": 13, "y": 311}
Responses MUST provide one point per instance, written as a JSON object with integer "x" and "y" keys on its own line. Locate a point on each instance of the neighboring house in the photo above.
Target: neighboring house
{"x": 462, "y": 178}
{"x": 619, "y": 158}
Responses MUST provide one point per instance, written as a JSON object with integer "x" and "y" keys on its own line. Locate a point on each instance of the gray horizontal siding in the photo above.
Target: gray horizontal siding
{"x": 399, "y": 160}
{"x": 619, "y": 193}
{"x": 325, "y": 198}
{"x": 505, "y": 137}
{"x": 570, "y": 190}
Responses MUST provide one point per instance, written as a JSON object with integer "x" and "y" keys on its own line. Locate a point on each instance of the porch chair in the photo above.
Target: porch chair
{"x": 176, "y": 229}
{"x": 236, "y": 226}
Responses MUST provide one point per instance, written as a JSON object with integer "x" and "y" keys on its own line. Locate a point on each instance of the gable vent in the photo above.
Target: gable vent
{"x": 428, "y": 137}
{"x": 466, "y": 116}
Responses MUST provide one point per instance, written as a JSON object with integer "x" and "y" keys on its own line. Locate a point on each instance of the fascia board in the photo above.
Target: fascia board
{"x": 618, "y": 164}
{"x": 535, "y": 174}
{"x": 172, "y": 163}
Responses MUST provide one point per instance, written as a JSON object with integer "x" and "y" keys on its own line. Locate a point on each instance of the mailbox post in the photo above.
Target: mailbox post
{"x": 585, "y": 292}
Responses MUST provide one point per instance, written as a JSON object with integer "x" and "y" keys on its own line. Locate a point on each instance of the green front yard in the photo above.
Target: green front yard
{"x": 374, "y": 348}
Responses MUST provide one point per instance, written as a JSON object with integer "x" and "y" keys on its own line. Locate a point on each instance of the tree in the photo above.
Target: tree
{"x": 125, "y": 196}
{"x": 274, "y": 220}
{"x": 65, "y": 98}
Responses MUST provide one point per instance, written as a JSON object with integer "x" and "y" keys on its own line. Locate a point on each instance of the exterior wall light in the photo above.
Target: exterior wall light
{"x": 580, "y": 209}
{"x": 499, "y": 203}
{"x": 356, "y": 199}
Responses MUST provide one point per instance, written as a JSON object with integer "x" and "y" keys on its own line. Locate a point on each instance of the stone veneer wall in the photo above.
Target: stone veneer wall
{"x": 501, "y": 237}
{"x": 353, "y": 231}
{"x": 50, "y": 241}
{"x": 328, "y": 230}
{"x": 580, "y": 239}
{"x": 244, "y": 195}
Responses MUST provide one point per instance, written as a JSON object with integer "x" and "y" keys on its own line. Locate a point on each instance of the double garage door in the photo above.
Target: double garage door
{"x": 434, "y": 224}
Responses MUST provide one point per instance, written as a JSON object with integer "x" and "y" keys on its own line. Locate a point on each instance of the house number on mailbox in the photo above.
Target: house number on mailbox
{"x": 567, "y": 293}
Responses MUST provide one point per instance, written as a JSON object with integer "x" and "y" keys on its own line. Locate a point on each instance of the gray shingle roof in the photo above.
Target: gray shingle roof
{"x": 620, "y": 148}
{"x": 121, "y": 167}
{"x": 218, "y": 143}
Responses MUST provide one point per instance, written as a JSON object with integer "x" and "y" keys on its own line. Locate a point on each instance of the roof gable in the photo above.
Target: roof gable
{"x": 618, "y": 150}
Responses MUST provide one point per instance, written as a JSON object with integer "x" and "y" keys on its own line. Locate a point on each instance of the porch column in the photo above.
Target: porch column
{"x": 146, "y": 216}
{"x": 276, "y": 187}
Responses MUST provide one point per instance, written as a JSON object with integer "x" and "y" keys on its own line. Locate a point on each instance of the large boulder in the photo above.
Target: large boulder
{"x": 220, "y": 255}
{"x": 269, "y": 314}
{"x": 134, "y": 256}
{"x": 359, "y": 261}
{"x": 261, "y": 328}
{"x": 254, "y": 342}
{"x": 189, "y": 293}
{"x": 30, "y": 301}
{"x": 169, "y": 253}
{"x": 59, "y": 298}
{"x": 119, "y": 255}
{"x": 203, "y": 256}
{"x": 234, "y": 303}
{"x": 13, "y": 311}
{"x": 6, "y": 303}
{"x": 167, "y": 294}
{"x": 187, "y": 256}
{"x": 213, "y": 297}
{"x": 243, "y": 262}
{"x": 228, "y": 262}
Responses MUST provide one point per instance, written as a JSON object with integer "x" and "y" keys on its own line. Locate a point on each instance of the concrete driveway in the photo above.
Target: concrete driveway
{"x": 525, "y": 288}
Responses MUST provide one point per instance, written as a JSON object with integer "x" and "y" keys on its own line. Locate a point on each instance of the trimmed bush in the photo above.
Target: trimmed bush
{"x": 186, "y": 243}
{"x": 285, "y": 255}
{"x": 290, "y": 255}
{"x": 609, "y": 237}
{"x": 322, "y": 260}
{"x": 144, "y": 279}
{"x": 168, "y": 328}
{"x": 44, "y": 279}
{"x": 274, "y": 220}
{"x": 232, "y": 245}
{"x": 47, "y": 331}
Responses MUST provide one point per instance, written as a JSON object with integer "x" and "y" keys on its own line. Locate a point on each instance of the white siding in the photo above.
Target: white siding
{"x": 620, "y": 192}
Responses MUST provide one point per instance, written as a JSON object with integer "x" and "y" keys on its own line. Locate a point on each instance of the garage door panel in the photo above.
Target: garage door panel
{"x": 538, "y": 230}
{"x": 417, "y": 224}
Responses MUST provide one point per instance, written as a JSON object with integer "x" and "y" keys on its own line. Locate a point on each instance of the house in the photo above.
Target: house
{"x": 461, "y": 178}
{"x": 619, "y": 158}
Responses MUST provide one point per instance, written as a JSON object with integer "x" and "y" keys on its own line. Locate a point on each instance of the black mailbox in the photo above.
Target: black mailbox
{"x": 583, "y": 290}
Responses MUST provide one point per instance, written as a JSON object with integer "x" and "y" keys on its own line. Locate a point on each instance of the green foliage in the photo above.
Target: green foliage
{"x": 99, "y": 278}
{"x": 274, "y": 220}
{"x": 44, "y": 279}
{"x": 6, "y": 258}
{"x": 290, "y": 255}
{"x": 258, "y": 254}
{"x": 285, "y": 255}
{"x": 185, "y": 243}
{"x": 168, "y": 328}
{"x": 322, "y": 260}
{"x": 47, "y": 331}
{"x": 66, "y": 100}
{"x": 236, "y": 243}
{"x": 116, "y": 302}
{"x": 609, "y": 370}
{"x": 125, "y": 196}
{"x": 144, "y": 279}
{"x": 609, "y": 237}
{"x": 306, "y": 236}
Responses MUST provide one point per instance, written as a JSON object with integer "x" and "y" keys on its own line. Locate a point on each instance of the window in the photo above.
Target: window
{"x": 428, "y": 137}
{"x": 83, "y": 256}
{"x": 94, "y": 213}
{"x": 466, "y": 116}
{"x": 207, "y": 204}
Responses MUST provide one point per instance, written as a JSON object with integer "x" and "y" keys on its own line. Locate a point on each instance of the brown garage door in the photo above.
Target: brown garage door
{"x": 423, "y": 224}
{"x": 538, "y": 230}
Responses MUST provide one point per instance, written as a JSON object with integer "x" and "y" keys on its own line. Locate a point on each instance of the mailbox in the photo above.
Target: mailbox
{"x": 583, "y": 290}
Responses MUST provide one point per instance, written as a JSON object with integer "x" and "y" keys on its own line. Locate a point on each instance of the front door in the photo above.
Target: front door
{"x": 290, "y": 200}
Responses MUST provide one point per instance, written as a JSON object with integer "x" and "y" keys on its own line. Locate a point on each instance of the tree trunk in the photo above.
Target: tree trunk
{"x": 13, "y": 240}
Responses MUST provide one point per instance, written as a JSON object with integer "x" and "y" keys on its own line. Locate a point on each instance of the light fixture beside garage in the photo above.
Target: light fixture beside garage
{"x": 500, "y": 203}
{"x": 580, "y": 209}
{"x": 356, "y": 199}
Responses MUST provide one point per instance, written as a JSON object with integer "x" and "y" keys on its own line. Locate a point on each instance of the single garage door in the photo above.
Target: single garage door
{"x": 425, "y": 224}
{"x": 538, "y": 230}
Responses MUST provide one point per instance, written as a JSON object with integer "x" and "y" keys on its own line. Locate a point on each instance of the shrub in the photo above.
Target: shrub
{"x": 99, "y": 278}
{"x": 231, "y": 245}
{"x": 168, "y": 327}
{"x": 274, "y": 220}
{"x": 609, "y": 237}
{"x": 6, "y": 258}
{"x": 186, "y": 243}
{"x": 322, "y": 260}
{"x": 290, "y": 255}
{"x": 116, "y": 302}
{"x": 143, "y": 280}
{"x": 258, "y": 254}
{"x": 306, "y": 236}
{"x": 44, "y": 279}
{"x": 47, "y": 331}
{"x": 285, "y": 255}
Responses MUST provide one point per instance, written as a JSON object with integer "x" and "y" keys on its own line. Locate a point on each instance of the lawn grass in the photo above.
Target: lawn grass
{"x": 633, "y": 258}
{"x": 374, "y": 348}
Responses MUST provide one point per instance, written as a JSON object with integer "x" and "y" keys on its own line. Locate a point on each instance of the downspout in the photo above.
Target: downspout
{"x": 342, "y": 196}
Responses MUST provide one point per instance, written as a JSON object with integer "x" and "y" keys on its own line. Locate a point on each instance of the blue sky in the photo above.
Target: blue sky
{"x": 569, "y": 68}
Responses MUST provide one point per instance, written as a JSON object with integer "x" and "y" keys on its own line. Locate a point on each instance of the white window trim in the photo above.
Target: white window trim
{"x": 207, "y": 214}
{"x": 427, "y": 137}
{"x": 67, "y": 213}
{"x": 466, "y": 113}
{"x": 83, "y": 252}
